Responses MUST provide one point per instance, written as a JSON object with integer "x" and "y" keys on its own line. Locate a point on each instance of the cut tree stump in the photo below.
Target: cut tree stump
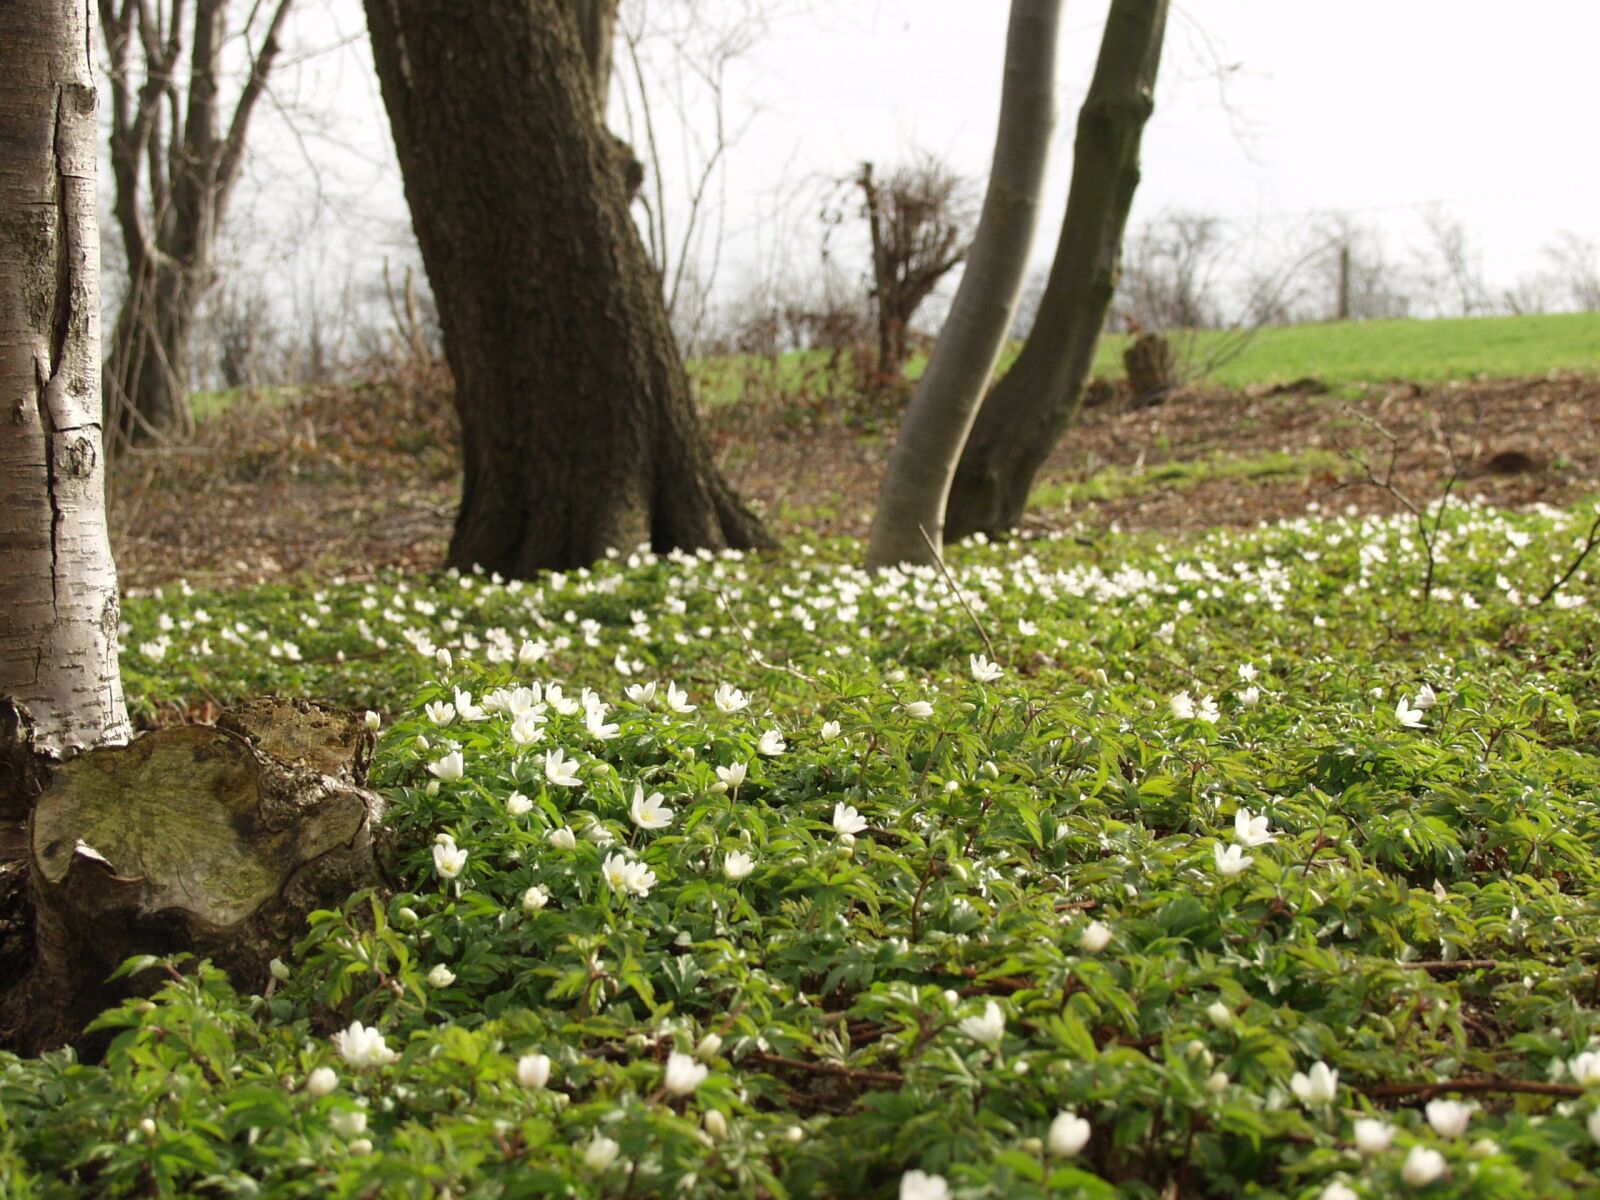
{"x": 214, "y": 841}
{"x": 1152, "y": 370}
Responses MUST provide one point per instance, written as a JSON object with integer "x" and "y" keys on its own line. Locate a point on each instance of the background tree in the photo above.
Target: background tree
{"x": 58, "y": 584}
{"x": 1576, "y": 263}
{"x": 1169, "y": 278}
{"x": 1027, "y": 410}
{"x": 909, "y": 523}
{"x": 920, "y": 230}
{"x": 578, "y": 433}
{"x": 173, "y": 167}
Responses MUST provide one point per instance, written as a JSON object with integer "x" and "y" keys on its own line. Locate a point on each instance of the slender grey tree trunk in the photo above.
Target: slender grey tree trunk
{"x": 1027, "y": 411}
{"x": 947, "y": 398}
{"x": 58, "y": 585}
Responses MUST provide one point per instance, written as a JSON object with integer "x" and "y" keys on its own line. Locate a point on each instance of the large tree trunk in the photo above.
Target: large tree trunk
{"x": 909, "y": 523}
{"x": 1026, "y": 412}
{"x": 60, "y": 690}
{"x": 578, "y": 433}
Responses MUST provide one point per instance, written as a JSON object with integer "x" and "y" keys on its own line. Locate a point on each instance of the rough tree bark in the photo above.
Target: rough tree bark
{"x": 174, "y": 168}
{"x": 947, "y": 398}
{"x": 1026, "y": 412}
{"x": 578, "y": 432}
{"x": 597, "y": 27}
{"x": 60, "y": 690}
{"x": 215, "y": 841}
{"x": 211, "y": 841}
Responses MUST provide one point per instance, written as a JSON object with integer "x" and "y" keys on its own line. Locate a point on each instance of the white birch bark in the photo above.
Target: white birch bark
{"x": 58, "y": 584}
{"x": 946, "y": 401}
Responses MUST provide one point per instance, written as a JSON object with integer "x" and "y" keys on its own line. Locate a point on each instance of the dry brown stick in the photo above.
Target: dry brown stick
{"x": 951, "y": 584}
{"x": 892, "y": 1078}
{"x": 1589, "y": 543}
{"x": 755, "y": 655}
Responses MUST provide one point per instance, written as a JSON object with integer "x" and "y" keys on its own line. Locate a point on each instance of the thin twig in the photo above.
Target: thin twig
{"x": 1479, "y": 1085}
{"x": 951, "y": 584}
{"x": 1451, "y": 966}
{"x": 1429, "y": 537}
{"x": 1589, "y": 543}
{"x": 755, "y": 655}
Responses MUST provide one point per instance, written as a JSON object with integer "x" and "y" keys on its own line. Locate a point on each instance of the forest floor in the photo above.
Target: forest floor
{"x": 343, "y": 480}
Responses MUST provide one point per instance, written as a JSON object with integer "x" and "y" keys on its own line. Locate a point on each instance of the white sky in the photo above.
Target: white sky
{"x": 1380, "y": 108}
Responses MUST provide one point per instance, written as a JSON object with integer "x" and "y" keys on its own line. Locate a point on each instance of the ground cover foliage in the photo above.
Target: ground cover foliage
{"x": 1239, "y": 864}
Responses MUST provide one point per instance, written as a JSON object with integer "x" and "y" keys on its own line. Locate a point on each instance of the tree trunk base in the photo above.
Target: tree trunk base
{"x": 1152, "y": 370}
{"x": 212, "y": 841}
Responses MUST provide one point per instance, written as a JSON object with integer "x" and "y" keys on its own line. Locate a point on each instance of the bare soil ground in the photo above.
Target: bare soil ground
{"x": 344, "y": 480}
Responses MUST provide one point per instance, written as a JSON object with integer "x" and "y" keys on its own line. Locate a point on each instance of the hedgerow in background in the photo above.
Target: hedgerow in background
{"x": 1228, "y": 863}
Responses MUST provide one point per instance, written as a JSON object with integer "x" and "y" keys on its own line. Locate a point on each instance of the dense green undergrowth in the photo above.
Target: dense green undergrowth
{"x": 1229, "y": 866}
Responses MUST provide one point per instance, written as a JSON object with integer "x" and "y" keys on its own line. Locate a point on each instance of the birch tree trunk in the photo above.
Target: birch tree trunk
{"x": 1027, "y": 411}
{"x": 58, "y": 584}
{"x": 578, "y": 431}
{"x": 947, "y": 398}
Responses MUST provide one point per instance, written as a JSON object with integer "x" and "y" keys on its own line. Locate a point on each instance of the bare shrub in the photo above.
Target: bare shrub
{"x": 920, "y": 220}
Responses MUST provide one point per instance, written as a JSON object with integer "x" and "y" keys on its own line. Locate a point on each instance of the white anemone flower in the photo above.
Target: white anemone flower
{"x": 1251, "y": 830}
{"x": 1069, "y": 1134}
{"x": 563, "y": 838}
{"x": 649, "y": 812}
{"x": 1372, "y": 1136}
{"x": 448, "y": 859}
{"x": 1231, "y": 860}
{"x": 1585, "y": 1068}
{"x": 729, "y": 699}
{"x": 533, "y": 1071}
{"x": 847, "y": 820}
{"x": 1449, "y": 1118}
{"x": 450, "y": 768}
{"x": 322, "y": 1081}
{"x": 683, "y": 1074}
{"x": 1422, "y": 1166}
{"x": 362, "y": 1047}
{"x": 600, "y": 1153}
{"x": 1317, "y": 1087}
{"x": 561, "y": 770}
{"x": 918, "y": 1185}
{"x": 987, "y": 1029}
{"x": 984, "y": 671}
